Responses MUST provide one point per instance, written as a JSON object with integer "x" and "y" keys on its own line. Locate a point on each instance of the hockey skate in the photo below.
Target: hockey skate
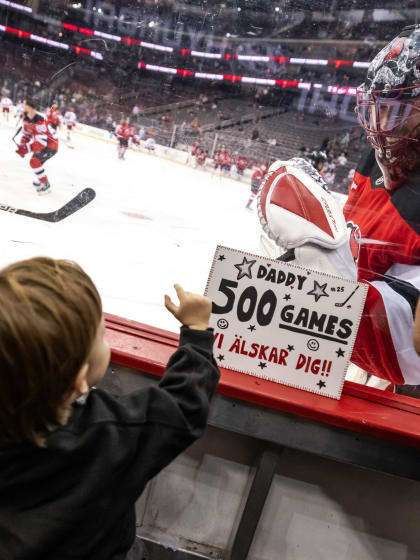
{"x": 43, "y": 188}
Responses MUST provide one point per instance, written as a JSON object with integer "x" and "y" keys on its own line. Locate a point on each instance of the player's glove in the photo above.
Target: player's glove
{"x": 298, "y": 213}
{"x": 22, "y": 150}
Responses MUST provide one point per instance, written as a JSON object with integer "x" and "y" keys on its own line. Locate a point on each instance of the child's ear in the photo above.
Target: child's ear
{"x": 80, "y": 384}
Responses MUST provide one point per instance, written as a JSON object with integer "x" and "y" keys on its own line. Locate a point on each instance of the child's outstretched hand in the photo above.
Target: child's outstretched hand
{"x": 193, "y": 310}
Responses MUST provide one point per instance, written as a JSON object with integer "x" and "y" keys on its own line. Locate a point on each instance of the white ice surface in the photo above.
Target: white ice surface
{"x": 153, "y": 222}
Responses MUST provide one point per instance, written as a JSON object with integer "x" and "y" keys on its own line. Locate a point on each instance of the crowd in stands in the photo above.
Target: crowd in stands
{"x": 257, "y": 125}
{"x": 125, "y": 57}
{"x": 179, "y": 111}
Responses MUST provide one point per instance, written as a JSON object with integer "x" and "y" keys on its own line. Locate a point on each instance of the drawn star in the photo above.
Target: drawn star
{"x": 318, "y": 291}
{"x": 221, "y": 258}
{"x": 290, "y": 347}
{"x": 287, "y": 297}
{"x": 340, "y": 353}
{"x": 251, "y": 328}
{"x": 220, "y": 358}
{"x": 244, "y": 268}
{"x": 321, "y": 384}
{"x": 262, "y": 365}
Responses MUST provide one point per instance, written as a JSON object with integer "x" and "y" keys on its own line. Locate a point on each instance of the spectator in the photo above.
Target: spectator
{"x": 342, "y": 160}
{"x": 344, "y": 142}
{"x": 302, "y": 152}
{"x": 99, "y": 453}
{"x": 324, "y": 144}
{"x": 135, "y": 112}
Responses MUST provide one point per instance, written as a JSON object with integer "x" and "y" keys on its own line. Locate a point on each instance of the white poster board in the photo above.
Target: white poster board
{"x": 282, "y": 322}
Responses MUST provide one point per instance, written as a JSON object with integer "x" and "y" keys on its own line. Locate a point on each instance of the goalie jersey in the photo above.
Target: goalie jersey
{"x": 376, "y": 241}
{"x": 385, "y": 242}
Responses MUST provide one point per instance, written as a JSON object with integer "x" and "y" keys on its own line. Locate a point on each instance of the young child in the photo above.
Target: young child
{"x": 71, "y": 473}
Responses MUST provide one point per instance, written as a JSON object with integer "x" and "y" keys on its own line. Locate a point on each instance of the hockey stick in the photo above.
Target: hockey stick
{"x": 350, "y": 296}
{"x": 76, "y": 203}
{"x": 16, "y": 133}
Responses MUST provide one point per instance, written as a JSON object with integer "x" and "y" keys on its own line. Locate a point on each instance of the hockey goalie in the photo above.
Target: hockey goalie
{"x": 376, "y": 240}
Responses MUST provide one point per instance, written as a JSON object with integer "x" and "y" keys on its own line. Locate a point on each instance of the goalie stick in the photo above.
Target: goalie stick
{"x": 75, "y": 204}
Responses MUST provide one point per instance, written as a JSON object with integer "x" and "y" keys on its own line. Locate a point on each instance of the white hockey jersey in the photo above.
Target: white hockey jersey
{"x": 70, "y": 118}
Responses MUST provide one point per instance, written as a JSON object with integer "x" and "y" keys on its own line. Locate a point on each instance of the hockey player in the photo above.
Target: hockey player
{"x": 19, "y": 110}
{"x": 195, "y": 151}
{"x": 201, "y": 157}
{"x": 219, "y": 159}
{"x": 256, "y": 179}
{"x": 228, "y": 163}
{"x": 39, "y": 139}
{"x": 123, "y": 132}
{"x": 6, "y": 103}
{"x": 150, "y": 141}
{"x": 53, "y": 116}
{"x": 241, "y": 165}
{"x": 135, "y": 139}
{"x": 70, "y": 120}
{"x": 150, "y": 145}
{"x": 382, "y": 215}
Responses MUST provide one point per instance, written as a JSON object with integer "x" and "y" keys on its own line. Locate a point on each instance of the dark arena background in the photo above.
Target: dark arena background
{"x": 213, "y": 92}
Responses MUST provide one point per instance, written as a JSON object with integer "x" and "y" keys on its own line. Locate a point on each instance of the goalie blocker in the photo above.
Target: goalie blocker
{"x": 303, "y": 223}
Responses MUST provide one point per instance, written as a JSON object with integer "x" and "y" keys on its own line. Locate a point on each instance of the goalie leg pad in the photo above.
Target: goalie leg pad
{"x": 297, "y": 211}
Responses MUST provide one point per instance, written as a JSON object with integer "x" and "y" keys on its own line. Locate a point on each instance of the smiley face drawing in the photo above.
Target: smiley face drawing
{"x": 313, "y": 344}
{"x": 222, "y": 324}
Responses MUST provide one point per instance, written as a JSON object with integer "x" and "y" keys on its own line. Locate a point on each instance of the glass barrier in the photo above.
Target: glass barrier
{"x": 167, "y": 115}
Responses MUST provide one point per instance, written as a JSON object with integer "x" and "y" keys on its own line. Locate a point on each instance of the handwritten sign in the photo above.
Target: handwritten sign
{"x": 282, "y": 322}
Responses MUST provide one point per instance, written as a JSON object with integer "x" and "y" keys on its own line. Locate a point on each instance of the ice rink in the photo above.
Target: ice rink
{"x": 153, "y": 221}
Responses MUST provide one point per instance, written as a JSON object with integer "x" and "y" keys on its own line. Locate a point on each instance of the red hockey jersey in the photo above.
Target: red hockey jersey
{"x": 228, "y": 159}
{"x": 385, "y": 240}
{"x": 257, "y": 176}
{"x": 38, "y": 134}
{"x": 219, "y": 158}
{"x": 242, "y": 162}
{"x": 124, "y": 131}
{"x": 53, "y": 116}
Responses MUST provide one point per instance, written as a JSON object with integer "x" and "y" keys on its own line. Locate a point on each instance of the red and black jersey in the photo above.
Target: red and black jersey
{"x": 389, "y": 222}
{"x": 257, "y": 176}
{"x": 53, "y": 116}
{"x": 124, "y": 131}
{"x": 228, "y": 159}
{"x": 219, "y": 158}
{"x": 38, "y": 134}
{"x": 385, "y": 240}
{"x": 242, "y": 162}
{"x": 201, "y": 157}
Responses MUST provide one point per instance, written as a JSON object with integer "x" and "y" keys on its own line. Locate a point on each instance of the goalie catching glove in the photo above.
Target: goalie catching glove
{"x": 300, "y": 216}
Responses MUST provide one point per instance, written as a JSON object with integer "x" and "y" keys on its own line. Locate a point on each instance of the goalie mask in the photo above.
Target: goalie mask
{"x": 388, "y": 107}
